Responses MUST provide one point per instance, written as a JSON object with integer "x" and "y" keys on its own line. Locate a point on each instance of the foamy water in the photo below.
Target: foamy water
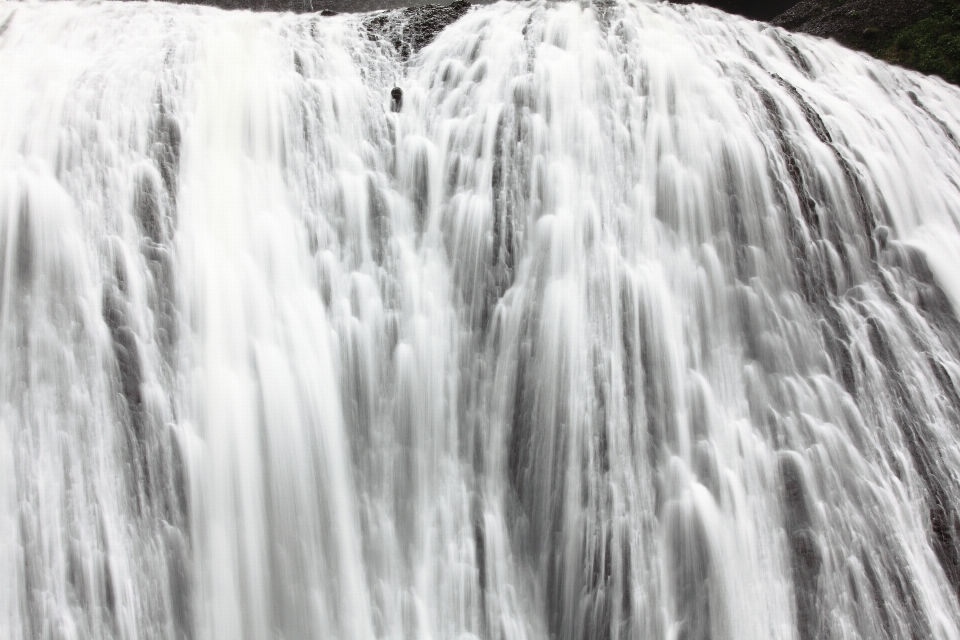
{"x": 638, "y": 321}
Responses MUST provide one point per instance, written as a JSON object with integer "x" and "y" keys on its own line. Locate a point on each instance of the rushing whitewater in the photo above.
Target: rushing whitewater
{"x": 638, "y": 321}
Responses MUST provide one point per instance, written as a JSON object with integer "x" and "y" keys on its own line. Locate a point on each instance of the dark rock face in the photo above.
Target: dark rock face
{"x": 755, "y": 9}
{"x": 296, "y": 6}
{"x": 418, "y": 13}
{"x": 365, "y": 6}
{"x": 861, "y": 24}
{"x": 413, "y": 28}
{"x": 407, "y": 28}
{"x": 918, "y": 34}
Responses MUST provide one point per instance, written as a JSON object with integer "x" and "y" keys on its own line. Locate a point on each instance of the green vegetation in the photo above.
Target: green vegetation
{"x": 917, "y": 34}
{"x": 931, "y": 45}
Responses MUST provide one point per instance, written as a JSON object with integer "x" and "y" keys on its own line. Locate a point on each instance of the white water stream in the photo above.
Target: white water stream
{"x": 638, "y": 321}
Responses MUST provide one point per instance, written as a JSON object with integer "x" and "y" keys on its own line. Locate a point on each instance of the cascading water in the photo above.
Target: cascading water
{"x": 638, "y": 321}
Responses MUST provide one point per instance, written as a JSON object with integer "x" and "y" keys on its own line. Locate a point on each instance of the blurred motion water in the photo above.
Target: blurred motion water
{"x": 637, "y": 321}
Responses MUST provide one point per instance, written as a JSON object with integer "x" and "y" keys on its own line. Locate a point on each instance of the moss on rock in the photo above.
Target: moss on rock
{"x": 932, "y": 45}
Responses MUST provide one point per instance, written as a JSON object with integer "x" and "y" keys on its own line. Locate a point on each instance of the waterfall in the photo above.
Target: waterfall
{"x": 638, "y": 321}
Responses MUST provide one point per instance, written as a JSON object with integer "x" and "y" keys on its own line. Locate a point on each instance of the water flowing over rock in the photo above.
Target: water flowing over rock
{"x": 637, "y": 321}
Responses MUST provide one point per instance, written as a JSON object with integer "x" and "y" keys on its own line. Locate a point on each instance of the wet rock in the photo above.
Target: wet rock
{"x": 147, "y": 208}
{"x": 847, "y": 22}
{"x": 166, "y": 150}
{"x": 755, "y": 9}
{"x": 916, "y": 34}
{"x": 413, "y": 28}
{"x": 805, "y": 555}
{"x": 179, "y": 581}
{"x": 295, "y": 6}
{"x": 396, "y": 99}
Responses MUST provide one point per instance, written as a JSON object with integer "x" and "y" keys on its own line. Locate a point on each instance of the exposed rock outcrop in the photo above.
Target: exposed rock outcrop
{"x": 407, "y": 28}
{"x": 296, "y": 6}
{"x": 424, "y": 13}
{"x": 861, "y": 24}
{"x": 918, "y": 34}
{"x": 756, "y": 9}
{"x": 413, "y": 28}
